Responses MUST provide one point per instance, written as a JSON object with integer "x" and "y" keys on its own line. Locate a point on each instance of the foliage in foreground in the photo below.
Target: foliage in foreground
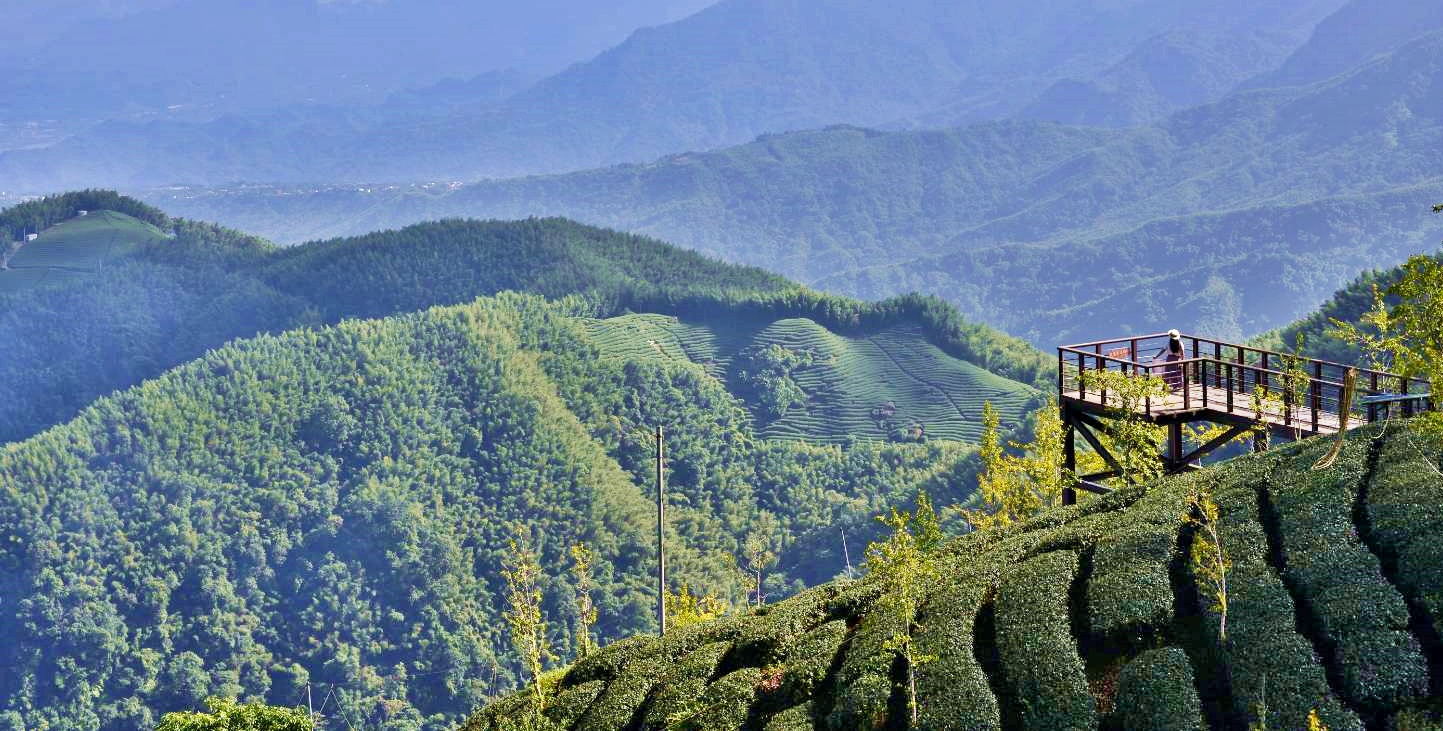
{"x": 1097, "y": 616}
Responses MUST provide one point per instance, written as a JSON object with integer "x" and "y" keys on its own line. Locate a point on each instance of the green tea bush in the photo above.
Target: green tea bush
{"x": 724, "y": 705}
{"x": 1155, "y": 693}
{"x": 1341, "y": 583}
{"x": 682, "y": 684}
{"x": 567, "y": 706}
{"x": 864, "y": 681}
{"x": 1405, "y": 509}
{"x": 952, "y": 689}
{"x": 605, "y": 663}
{"x": 767, "y": 638}
{"x": 1130, "y": 591}
{"x": 1039, "y": 656}
{"x": 806, "y": 666}
{"x": 1273, "y": 667}
{"x": 854, "y": 599}
{"x": 626, "y": 693}
{"x": 797, "y": 718}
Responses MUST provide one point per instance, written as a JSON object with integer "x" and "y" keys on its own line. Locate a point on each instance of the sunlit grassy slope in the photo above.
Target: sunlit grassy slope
{"x": 76, "y": 247}
{"x": 850, "y": 381}
{"x": 1091, "y": 617}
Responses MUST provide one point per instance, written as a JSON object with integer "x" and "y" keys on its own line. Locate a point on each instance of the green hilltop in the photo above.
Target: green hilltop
{"x": 163, "y": 300}
{"x": 330, "y": 505}
{"x": 1090, "y": 617}
{"x": 188, "y": 508}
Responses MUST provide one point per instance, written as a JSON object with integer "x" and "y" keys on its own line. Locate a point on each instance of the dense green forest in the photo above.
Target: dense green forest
{"x": 328, "y": 503}
{"x": 171, "y": 299}
{"x": 1045, "y": 231}
{"x": 1094, "y": 616}
{"x": 328, "y": 506}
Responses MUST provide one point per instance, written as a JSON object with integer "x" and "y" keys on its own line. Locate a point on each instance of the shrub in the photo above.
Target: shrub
{"x": 806, "y": 666}
{"x": 1034, "y": 640}
{"x": 724, "y": 705}
{"x": 1405, "y": 511}
{"x": 605, "y": 663}
{"x": 618, "y": 703}
{"x": 953, "y": 689}
{"x": 683, "y": 683}
{"x": 797, "y": 718}
{"x": 1273, "y": 667}
{"x": 1131, "y": 592}
{"x": 567, "y": 706}
{"x": 1155, "y": 693}
{"x": 1340, "y": 582}
{"x": 767, "y": 638}
{"x": 864, "y": 681}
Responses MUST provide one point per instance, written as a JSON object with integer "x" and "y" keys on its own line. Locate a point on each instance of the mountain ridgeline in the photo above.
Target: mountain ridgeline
{"x": 1233, "y": 217}
{"x": 168, "y": 300}
{"x": 1090, "y": 617}
{"x": 327, "y": 503}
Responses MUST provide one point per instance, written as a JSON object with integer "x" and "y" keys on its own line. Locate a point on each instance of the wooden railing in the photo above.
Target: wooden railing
{"x": 1223, "y": 377}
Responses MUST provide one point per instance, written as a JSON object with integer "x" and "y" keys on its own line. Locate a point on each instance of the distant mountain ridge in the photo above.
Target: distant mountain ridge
{"x": 720, "y": 77}
{"x": 1323, "y": 180}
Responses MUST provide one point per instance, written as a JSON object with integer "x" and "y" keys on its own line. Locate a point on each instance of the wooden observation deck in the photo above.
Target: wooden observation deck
{"x": 1215, "y": 382}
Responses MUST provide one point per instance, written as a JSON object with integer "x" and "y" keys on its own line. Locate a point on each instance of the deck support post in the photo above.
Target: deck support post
{"x": 1174, "y": 447}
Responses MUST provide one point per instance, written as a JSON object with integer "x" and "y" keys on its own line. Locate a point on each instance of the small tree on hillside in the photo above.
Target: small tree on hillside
{"x": 684, "y": 609}
{"x": 523, "y": 615}
{"x": 757, "y": 555}
{"x": 1014, "y": 487}
{"x": 1210, "y": 561}
{"x": 1134, "y": 442}
{"x": 225, "y": 714}
{"x": 583, "y": 561}
{"x": 1406, "y": 336}
{"x": 906, "y": 570}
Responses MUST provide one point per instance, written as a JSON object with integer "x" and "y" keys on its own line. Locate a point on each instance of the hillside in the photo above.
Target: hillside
{"x": 732, "y": 71}
{"x": 330, "y": 505}
{"x": 172, "y": 299}
{"x": 1327, "y": 179}
{"x": 1091, "y": 617}
{"x": 73, "y": 248}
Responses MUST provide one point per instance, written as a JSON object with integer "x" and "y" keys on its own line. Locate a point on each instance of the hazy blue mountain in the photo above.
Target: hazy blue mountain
{"x": 1356, "y": 33}
{"x": 215, "y": 56}
{"x": 720, "y": 77}
{"x": 1169, "y": 72}
{"x": 1328, "y": 178}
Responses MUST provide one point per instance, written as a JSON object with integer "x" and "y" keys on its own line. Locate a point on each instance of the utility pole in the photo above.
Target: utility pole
{"x": 660, "y": 530}
{"x": 310, "y": 709}
{"x": 845, "y": 553}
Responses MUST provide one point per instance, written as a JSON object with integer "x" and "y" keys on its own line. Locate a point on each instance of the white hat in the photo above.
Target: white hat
{"x": 1173, "y": 333}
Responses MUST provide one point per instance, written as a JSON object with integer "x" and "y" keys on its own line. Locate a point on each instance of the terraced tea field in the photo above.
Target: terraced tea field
{"x": 864, "y": 385}
{"x": 74, "y": 248}
{"x": 1091, "y": 617}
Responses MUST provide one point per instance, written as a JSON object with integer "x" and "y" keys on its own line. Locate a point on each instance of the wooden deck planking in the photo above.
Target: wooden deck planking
{"x": 1216, "y": 403}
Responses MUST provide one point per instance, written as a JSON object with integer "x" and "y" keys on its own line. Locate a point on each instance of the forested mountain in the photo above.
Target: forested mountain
{"x": 171, "y": 299}
{"x": 736, "y": 69}
{"x": 1094, "y": 616}
{"x": 1313, "y": 182}
{"x": 329, "y": 503}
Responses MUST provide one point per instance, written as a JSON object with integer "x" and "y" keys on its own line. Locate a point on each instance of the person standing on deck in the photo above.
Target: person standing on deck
{"x": 1173, "y": 373}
